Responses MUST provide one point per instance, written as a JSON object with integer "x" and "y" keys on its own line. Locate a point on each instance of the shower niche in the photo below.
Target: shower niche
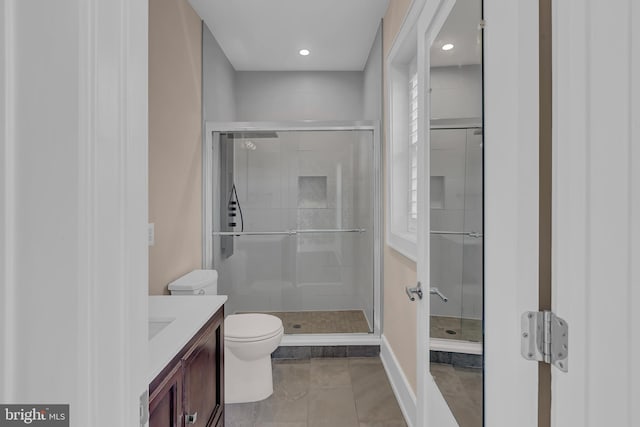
{"x": 293, "y": 225}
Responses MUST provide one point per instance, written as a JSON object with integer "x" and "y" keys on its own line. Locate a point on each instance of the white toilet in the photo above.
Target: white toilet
{"x": 249, "y": 340}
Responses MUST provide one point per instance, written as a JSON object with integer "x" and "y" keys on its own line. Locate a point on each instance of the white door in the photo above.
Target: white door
{"x": 596, "y": 213}
{"x": 432, "y": 409}
{"x": 596, "y": 210}
{"x": 73, "y": 197}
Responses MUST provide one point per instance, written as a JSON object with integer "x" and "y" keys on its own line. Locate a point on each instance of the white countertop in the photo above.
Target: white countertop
{"x": 187, "y": 314}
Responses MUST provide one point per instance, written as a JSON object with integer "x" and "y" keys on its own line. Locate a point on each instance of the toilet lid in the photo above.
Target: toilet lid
{"x": 251, "y": 326}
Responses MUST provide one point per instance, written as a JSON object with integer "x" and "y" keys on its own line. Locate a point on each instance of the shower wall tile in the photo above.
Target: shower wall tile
{"x": 446, "y": 274}
{"x": 303, "y": 272}
{"x": 448, "y": 139}
{"x": 312, "y": 192}
{"x": 262, "y": 219}
{"x": 263, "y": 186}
{"x": 456, "y": 92}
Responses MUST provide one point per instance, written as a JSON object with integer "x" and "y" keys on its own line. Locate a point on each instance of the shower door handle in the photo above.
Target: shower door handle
{"x": 417, "y": 290}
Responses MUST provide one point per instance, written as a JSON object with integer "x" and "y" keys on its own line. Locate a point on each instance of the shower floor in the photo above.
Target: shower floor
{"x": 322, "y": 322}
{"x": 455, "y": 328}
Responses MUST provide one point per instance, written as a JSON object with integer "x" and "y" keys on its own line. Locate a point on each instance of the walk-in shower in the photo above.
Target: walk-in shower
{"x": 456, "y": 232}
{"x": 292, "y": 223}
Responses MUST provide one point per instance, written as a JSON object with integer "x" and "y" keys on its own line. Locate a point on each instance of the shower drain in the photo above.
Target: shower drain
{"x": 449, "y": 331}
{"x": 297, "y": 326}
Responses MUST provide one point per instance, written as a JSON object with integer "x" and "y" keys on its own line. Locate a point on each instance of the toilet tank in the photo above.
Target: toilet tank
{"x": 197, "y": 282}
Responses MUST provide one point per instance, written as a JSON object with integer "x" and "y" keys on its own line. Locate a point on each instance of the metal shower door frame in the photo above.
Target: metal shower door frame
{"x": 209, "y": 170}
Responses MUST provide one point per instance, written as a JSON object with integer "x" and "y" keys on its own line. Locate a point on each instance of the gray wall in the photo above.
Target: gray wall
{"x": 218, "y": 80}
{"x": 456, "y": 92}
{"x": 298, "y": 95}
{"x": 231, "y": 95}
{"x": 372, "y": 81}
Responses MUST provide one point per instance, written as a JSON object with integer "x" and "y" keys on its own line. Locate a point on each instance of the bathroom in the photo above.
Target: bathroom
{"x": 392, "y": 243}
{"x": 282, "y": 191}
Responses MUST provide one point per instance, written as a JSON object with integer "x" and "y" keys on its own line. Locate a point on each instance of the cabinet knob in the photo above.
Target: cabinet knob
{"x": 192, "y": 418}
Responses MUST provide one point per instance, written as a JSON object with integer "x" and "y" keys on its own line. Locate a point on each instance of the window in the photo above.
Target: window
{"x": 402, "y": 151}
{"x": 412, "y": 220}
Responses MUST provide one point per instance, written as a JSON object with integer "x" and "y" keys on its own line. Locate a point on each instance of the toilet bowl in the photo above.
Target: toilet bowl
{"x": 249, "y": 340}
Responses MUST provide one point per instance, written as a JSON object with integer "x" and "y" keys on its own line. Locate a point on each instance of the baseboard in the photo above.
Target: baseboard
{"x": 455, "y": 346}
{"x": 401, "y": 387}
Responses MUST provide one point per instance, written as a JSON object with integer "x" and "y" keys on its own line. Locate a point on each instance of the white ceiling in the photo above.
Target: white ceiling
{"x": 460, "y": 29}
{"x": 266, "y": 35}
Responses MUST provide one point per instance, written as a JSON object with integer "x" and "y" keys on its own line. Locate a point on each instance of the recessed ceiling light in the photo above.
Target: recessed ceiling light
{"x": 447, "y": 46}
{"x": 304, "y": 52}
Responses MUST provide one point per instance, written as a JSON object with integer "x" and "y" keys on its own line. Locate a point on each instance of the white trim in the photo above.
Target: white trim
{"x": 403, "y": 51}
{"x": 298, "y": 125}
{"x": 402, "y": 55}
{"x": 440, "y": 414}
{"x": 403, "y": 243}
{"x": 511, "y": 208}
{"x": 402, "y": 389}
{"x": 407, "y": 28}
{"x": 208, "y": 194}
{"x": 455, "y": 346}
{"x": 7, "y": 197}
{"x": 329, "y": 339}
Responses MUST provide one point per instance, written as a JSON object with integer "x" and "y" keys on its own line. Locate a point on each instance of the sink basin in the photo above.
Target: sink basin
{"x": 156, "y": 325}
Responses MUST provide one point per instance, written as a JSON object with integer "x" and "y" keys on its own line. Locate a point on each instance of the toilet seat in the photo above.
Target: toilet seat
{"x": 251, "y": 327}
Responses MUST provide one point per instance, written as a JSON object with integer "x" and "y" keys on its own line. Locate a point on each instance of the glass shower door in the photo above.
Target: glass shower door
{"x": 472, "y": 257}
{"x": 295, "y": 231}
{"x": 456, "y": 233}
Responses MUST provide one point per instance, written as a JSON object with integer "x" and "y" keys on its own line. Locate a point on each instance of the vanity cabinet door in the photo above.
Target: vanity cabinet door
{"x": 165, "y": 401}
{"x": 203, "y": 378}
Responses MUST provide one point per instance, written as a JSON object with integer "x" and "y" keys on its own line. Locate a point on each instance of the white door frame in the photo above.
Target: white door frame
{"x": 511, "y": 143}
{"x": 73, "y": 193}
{"x": 511, "y": 100}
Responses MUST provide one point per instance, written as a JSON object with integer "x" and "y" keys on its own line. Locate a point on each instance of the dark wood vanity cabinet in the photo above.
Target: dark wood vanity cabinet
{"x": 189, "y": 392}
{"x": 165, "y": 406}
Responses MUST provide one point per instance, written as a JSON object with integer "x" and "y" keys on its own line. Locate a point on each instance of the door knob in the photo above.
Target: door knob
{"x": 417, "y": 290}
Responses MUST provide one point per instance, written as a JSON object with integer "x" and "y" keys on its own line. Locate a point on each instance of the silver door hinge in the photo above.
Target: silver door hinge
{"x": 545, "y": 338}
{"x": 482, "y": 25}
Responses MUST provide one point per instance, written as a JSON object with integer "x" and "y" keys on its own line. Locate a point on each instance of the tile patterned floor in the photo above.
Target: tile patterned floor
{"x": 464, "y": 329}
{"x": 462, "y": 389}
{"x": 335, "y": 392}
{"x": 323, "y": 322}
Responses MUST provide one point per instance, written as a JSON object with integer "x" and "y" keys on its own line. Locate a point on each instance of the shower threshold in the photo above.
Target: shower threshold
{"x": 322, "y": 322}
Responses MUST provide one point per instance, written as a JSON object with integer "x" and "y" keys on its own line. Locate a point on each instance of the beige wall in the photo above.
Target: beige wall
{"x": 174, "y": 141}
{"x": 399, "y": 271}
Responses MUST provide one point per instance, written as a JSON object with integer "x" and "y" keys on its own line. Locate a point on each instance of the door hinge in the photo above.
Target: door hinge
{"x": 482, "y": 25}
{"x": 545, "y": 338}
